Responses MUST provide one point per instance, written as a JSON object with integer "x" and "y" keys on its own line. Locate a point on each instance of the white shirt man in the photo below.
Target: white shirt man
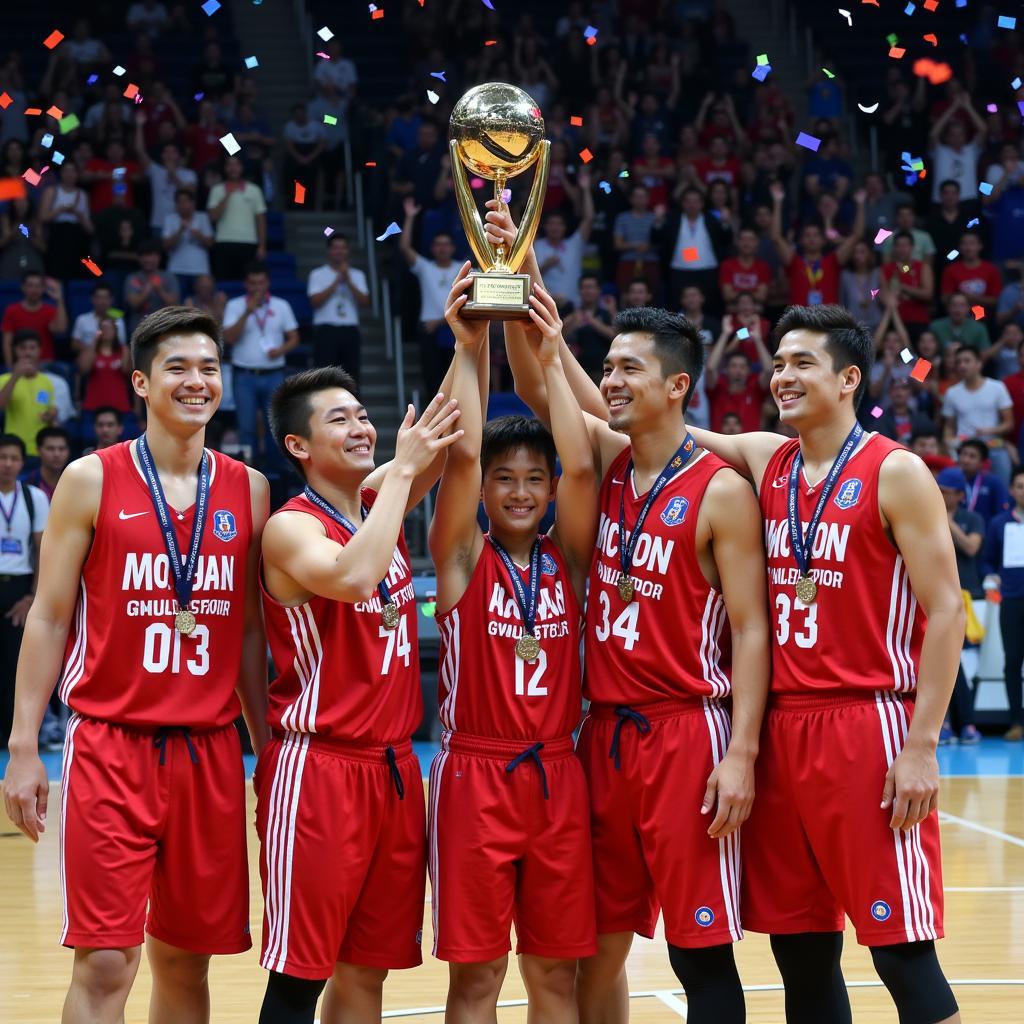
{"x": 16, "y": 532}
{"x": 562, "y": 274}
{"x": 340, "y": 309}
{"x": 975, "y": 413}
{"x": 163, "y": 185}
{"x": 188, "y": 257}
{"x": 435, "y": 284}
{"x": 693, "y": 235}
{"x": 264, "y": 331}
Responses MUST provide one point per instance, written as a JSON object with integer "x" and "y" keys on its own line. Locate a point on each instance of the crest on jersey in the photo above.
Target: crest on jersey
{"x": 224, "y": 525}
{"x": 880, "y": 910}
{"x": 849, "y": 493}
{"x": 704, "y": 916}
{"x": 674, "y": 512}
{"x": 548, "y": 566}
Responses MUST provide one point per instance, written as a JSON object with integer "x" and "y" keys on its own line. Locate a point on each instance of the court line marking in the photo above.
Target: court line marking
{"x": 672, "y": 1002}
{"x": 984, "y": 829}
{"x": 984, "y": 888}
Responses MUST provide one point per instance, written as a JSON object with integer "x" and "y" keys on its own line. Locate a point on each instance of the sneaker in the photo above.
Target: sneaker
{"x": 946, "y": 735}
{"x": 1014, "y": 734}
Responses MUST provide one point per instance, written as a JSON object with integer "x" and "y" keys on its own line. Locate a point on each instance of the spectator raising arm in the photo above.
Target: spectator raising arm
{"x": 412, "y": 211}
{"x": 782, "y": 247}
{"x": 845, "y": 248}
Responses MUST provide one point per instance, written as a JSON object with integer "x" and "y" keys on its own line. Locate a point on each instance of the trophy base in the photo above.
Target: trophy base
{"x": 498, "y": 296}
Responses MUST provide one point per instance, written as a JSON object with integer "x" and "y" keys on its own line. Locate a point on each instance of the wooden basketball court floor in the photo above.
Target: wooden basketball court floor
{"x": 983, "y": 955}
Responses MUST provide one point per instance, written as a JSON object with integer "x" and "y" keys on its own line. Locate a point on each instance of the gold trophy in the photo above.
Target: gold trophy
{"x": 497, "y": 131}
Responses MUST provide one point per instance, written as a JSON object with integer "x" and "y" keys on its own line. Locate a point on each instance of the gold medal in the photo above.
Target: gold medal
{"x": 185, "y": 622}
{"x": 527, "y": 647}
{"x": 626, "y": 587}
{"x": 389, "y": 614}
{"x": 806, "y": 590}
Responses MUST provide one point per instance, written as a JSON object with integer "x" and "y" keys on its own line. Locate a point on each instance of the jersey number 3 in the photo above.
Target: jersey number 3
{"x": 805, "y": 633}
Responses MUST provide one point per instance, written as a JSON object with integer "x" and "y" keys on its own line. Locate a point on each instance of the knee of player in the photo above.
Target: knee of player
{"x": 105, "y": 972}
{"x": 369, "y": 980}
{"x": 605, "y": 967}
{"x": 174, "y": 966}
{"x": 477, "y": 982}
{"x": 556, "y": 979}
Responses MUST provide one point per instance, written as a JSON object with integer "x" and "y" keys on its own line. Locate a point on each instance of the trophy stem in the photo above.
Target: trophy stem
{"x": 500, "y": 182}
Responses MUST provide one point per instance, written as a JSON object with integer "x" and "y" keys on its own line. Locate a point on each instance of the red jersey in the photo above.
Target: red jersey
{"x": 747, "y": 404}
{"x": 912, "y": 311}
{"x": 649, "y": 650}
{"x": 125, "y": 662}
{"x": 18, "y": 318}
{"x": 106, "y": 384}
{"x": 813, "y": 282}
{"x": 341, "y": 674}
{"x": 742, "y": 277}
{"x": 864, "y": 629}
{"x": 484, "y": 689}
{"x": 708, "y": 171}
{"x": 984, "y": 279}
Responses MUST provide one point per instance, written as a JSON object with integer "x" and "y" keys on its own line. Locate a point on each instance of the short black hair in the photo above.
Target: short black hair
{"x": 337, "y": 236}
{"x": 108, "y": 410}
{"x": 12, "y": 441}
{"x": 1019, "y": 471}
{"x": 925, "y": 433}
{"x": 26, "y": 334}
{"x": 102, "y": 286}
{"x": 516, "y": 433}
{"x": 291, "y": 403}
{"x": 48, "y": 433}
{"x": 149, "y": 246}
{"x": 847, "y": 340}
{"x": 948, "y": 182}
{"x": 30, "y": 273}
{"x": 903, "y": 234}
{"x": 973, "y": 349}
{"x": 153, "y": 328}
{"x": 978, "y": 445}
{"x": 677, "y": 342}
{"x": 256, "y": 267}
{"x": 179, "y": 192}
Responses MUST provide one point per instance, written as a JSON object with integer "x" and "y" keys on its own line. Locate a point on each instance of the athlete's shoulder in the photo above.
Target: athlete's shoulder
{"x": 617, "y": 467}
{"x": 906, "y": 488}
{"x": 900, "y": 466}
{"x": 777, "y": 463}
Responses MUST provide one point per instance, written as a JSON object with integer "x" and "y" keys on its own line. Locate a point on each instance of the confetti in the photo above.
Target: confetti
{"x": 132, "y": 91}
{"x": 882, "y": 235}
{"x": 973, "y": 223}
{"x": 475, "y": 183}
{"x": 586, "y": 156}
{"x": 5, "y": 101}
{"x": 211, "y": 7}
{"x": 325, "y": 34}
{"x": 53, "y": 39}
{"x": 328, "y": 232}
{"x": 605, "y": 187}
{"x": 300, "y": 193}
{"x": 896, "y": 52}
{"x": 828, "y": 73}
{"x": 330, "y": 119}
{"x": 576, "y": 121}
{"x": 488, "y": 4}
{"x": 979, "y": 312}
{"x": 892, "y": 39}
{"x": 91, "y": 267}
{"x": 56, "y": 113}
{"x": 119, "y": 71}
{"x": 874, "y": 292}
{"x": 907, "y": 356}
{"x": 371, "y": 163}
{"x": 92, "y": 79}
{"x": 490, "y": 42}
{"x": 761, "y": 72}
{"x": 23, "y": 229}
{"x": 1004, "y": 22}
{"x": 877, "y": 411}
{"x": 391, "y": 229}
{"x": 46, "y": 141}
{"x": 432, "y": 96}
{"x": 58, "y": 157}
{"x": 198, "y": 96}
{"x": 624, "y": 173}
{"x": 762, "y": 59}
{"x": 931, "y": 38}
{"x": 909, "y": 10}
{"x": 691, "y": 254}
{"x": 439, "y": 75}
{"x": 378, "y": 14}
{"x": 985, "y": 188}
{"x": 921, "y": 369}
{"x": 1015, "y": 84}
{"x": 12, "y": 188}
{"x": 847, "y": 16}
{"x": 590, "y": 32}
{"x": 867, "y": 110}
{"x": 936, "y": 72}
{"x": 931, "y": 5}
{"x": 320, "y": 53}
{"x": 506, "y": 196}
{"x": 32, "y": 177}
{"x": 33, "y": 111}
{"x": 229, "y": 143}
{"x": 251, "y": 62}
{"x": 743, "y": 333}
{"x": 952, "y": 254}
{"x": 992, "y": 108}
{"x": 808, "y": 141}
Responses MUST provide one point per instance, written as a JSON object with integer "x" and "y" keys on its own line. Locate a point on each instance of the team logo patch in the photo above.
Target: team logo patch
{"x": 880, "y": 910}
{"x": 704, "y": 916}
{"x": 849, "y": 493}
{"x": 674, "y": 512}
{"x": 548, "y": 566}
{"x": 224, "y": 525}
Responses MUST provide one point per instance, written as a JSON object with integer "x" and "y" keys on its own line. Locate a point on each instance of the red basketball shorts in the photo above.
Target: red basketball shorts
{"x": 651, "y": 847}
{"x": 818, "y": 844}
{"x": 157, "y": 820}
{"x": 502, "y": 851}
{"x": 343, "y": 855}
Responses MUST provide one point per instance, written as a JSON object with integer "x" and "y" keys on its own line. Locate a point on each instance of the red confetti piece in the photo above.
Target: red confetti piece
{"x": 921, "y": 369}
{"x": 33, "y": 111}
{"x": 300, "y": 193}
{"x": 12, "y": 188}
{"x": 371, "y": 163}
{"x": 490, "y": 42}
{"x": 592, "y": 41}
{"x": 979, "y": 312}
{"x": 690, "y": 254}
{"x": 897, "y": 52}
{"x": 91, "y": 267}
{"x": 378, "y": 14}
{"x": 576, "y": 121}
{"x": 936, "y": 72}
{"x": 873, "y": 3}
{"x": 5, "y": 101}
{"x": 931, "y": 5}
{"x": 56, "y": 112}
{"x": 32, "y": 177}
{"x": 132, "y": 91}
{"x": 931, "y": 38}
{"x": 53, "y": 39}
{"x": 586, "y": 156}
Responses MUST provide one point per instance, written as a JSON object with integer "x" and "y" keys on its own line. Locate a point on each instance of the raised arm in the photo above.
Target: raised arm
{"x": 782, "y": 247}
{"x": 935, "y": 134}
{"x": 747, "y": 453}
{"x": 913, "y": 511}
{"x": 411, "y": 209}
{"x": 845, "y": 248}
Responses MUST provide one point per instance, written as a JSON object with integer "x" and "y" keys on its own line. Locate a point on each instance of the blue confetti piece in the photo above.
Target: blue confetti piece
{"x": 604, "y": 187}
{"x": 761, "y": 72}
{"x": 909, "y": 10}
{"x": 1020, "y": 107}
{"x": 438, "y": 74}
{"x": 973, "y": 223}
{"x": 808, "y": 142}
{"x": 58, "y": 157}
{"x": 1015, "y": 84}
{"x": 488, "y": 4}
{"x": 198, "y": 96}
{"x": 92, "y": 79}
{"x": 743, "y": 333}
{"x": 23, "y": 230}
{"x": 589, "y": 32}
{"x": 985, "y": 188}
{"x": 46, "y": 141}
{"x": 1005, "y": 21}
{"x": 211, "y": 7}
{"x": 961, "y": 3}
{"x": 952, "y": 254}
{"x": 251, "y": 62}
{"x": 624, "y": 174}
{"x": 910, "y": 179}
{"x": 391, "y": 229}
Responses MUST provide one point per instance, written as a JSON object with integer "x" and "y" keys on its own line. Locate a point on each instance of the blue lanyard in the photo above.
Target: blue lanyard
{"x": 803, "y": 545}
{"x": 183, "y": 573}
{"x": 682, "y": 456}
{"x": 9, "y": 516}
{"x": 325, "y": 506}
{"x": 526, "y": 599}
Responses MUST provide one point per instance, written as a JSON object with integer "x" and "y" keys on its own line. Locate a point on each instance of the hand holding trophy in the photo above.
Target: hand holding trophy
{"x": 497, "y": 132}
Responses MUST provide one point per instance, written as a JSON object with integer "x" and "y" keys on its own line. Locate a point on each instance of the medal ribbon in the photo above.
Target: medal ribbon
{"x": 325, "y": 506}
{"x": 971, "y": 501}
{"x": 261, "y": 322}
{"x": 802, "y": 546}
{"x": 183, "y": 573}
{"x": 527, "y": 600}
{"x": 815, "y": 272}
{"x": 9, "y": 516}
{"x": 626, "y": 548}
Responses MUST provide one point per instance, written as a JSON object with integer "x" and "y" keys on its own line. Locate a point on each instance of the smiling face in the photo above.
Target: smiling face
{"x": 340, "y": 440}
{"x": 634, "y": 388}
{"x": 517, "y": 488}
{"x": 806, "y": 384}
{"x": 183, "y": 386}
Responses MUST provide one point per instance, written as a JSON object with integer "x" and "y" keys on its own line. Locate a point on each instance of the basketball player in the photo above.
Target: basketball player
{"x": 147, "y": 585}
{"x": 340, "y": 810}
{"x": 857, "y": 538}
{"x": 678, "y": 549}
{"x": 509, "y": 829}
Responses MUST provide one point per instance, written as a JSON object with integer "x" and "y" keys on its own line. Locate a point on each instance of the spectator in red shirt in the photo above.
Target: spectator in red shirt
{"x": 113, "y": 170}
{"x": 744, "y": 272}
{"x": 718, "y": 165}
{"x": 978, "y": 279}
{"x": 654, "y": 171}
{"x": 912, "y": 282}
{"x": 758, "y": 330}
{"x": 723, "y": 120}
{"x": 813, "y": 273}
{"x": 738, "y": 389}
{"x": 203, "y": 139}
{"x": 32, "y": 314}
